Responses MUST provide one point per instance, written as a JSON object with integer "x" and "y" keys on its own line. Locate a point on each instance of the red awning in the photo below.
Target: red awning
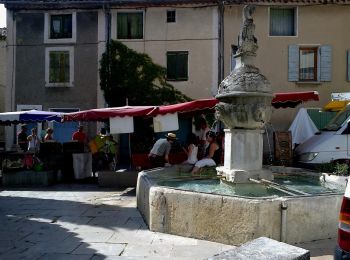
{"x": 101, "y": 114}
{"x": 281, "y": 100}
{"x": 187, "y": 107}
{"x": 292, "y": 99}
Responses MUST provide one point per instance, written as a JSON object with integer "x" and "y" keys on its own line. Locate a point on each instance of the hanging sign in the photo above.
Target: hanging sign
{"x": 167, "y": 122}
{"x": 121, "y": 125}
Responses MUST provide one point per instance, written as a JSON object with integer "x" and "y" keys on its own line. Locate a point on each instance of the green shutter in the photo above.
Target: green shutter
{"x": 182, "y": 66}
{"x": 171, "y": 66}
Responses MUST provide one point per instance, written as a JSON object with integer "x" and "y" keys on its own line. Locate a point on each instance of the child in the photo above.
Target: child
{"x": 191, "y": 150}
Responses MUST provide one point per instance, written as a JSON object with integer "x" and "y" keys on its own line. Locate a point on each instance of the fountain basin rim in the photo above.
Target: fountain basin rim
{"x": 154, "y": 180}
{"x": 273, "y": 197}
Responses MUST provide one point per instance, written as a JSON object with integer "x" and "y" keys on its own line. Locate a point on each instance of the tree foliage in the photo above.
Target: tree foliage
{"x": 126, "y": 74}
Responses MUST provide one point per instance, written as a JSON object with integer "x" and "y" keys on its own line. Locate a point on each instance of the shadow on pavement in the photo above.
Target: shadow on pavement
{"x": 64, "y": 225}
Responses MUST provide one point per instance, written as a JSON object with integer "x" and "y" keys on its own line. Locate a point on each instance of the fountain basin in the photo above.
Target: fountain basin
{"x": 235, "y": 219}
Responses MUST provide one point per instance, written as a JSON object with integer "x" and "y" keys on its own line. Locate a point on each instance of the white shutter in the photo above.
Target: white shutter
{"x": 326, "y": 63}
{"x": 293, "y": 63}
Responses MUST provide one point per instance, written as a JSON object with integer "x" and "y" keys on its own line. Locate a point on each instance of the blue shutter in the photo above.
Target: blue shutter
{"x": 293, "y": 63}
{"x": 348, "y": 62}
{"x": 326, "y": 63}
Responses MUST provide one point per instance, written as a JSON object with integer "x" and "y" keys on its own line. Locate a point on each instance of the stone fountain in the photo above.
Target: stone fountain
{"x": 245, "y": 106}
{"x": 172, "y": 201}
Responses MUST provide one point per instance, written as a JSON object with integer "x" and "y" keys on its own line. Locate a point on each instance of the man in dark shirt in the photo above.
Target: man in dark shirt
{"x": 22, "y": 138}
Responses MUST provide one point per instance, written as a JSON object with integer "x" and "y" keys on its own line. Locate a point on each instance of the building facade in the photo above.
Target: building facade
{"x": 54, "y": 48}
{"x": 302, "y": 47}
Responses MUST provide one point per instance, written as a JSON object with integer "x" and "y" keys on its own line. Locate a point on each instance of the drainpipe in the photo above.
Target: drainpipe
{"x": 221, "y": 7}
{"x": 284, "y": 208}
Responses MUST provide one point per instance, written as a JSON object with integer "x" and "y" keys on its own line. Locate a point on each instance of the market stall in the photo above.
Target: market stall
{"x": 20, "y": 167}
{"x": 119, "y": 115}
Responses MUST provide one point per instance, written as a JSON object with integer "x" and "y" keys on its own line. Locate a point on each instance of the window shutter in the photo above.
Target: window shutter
{"x": 181, "y": 66}
{"x": 348, "y": 62}
{"x": 171, "y": 65}
{"x": 293, "y": 63}
{"x": 326, "y": 63}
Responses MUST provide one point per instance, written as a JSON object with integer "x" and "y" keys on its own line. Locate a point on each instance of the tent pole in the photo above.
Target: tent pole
{"x": 130, "y": 156}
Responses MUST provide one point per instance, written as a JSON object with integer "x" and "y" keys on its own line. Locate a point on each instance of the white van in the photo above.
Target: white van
{"x": 332, "y": 143}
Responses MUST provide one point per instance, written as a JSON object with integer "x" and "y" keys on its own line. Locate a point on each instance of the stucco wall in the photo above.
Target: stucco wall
{"x": 316, "y": 25}
{"x": 30, "y": 64}
{"x": 195, "y": 31}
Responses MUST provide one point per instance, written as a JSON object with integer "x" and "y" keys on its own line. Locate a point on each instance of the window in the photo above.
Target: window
{"x": 60, "y": 27}
{"x": 171, "y": 16}
{"x": 308, "y": 64}
{"x": 282, "y": 22}
{"x": 59, "y": 66}
{"x": 130, "y": 25}
{"x": 177, "y": 65}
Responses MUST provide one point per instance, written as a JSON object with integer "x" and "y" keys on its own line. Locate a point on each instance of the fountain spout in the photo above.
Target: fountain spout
{"x": 245, "y": 106}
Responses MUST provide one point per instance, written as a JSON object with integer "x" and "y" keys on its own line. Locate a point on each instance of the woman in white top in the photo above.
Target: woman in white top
{"x": 191, "y": 150}
{"x": 33, "y": 141}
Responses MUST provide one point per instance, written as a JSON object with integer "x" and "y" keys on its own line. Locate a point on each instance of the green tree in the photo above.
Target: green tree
{"x": 126, "y": 74}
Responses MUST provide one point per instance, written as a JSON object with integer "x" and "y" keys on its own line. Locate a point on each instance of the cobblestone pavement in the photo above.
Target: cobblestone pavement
{"x": 88, "y": 222}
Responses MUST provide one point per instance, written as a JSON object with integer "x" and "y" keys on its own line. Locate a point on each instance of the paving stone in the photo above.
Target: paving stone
{"x": 10, "y": 235}
{"x": 195, "y": 251}
{"x": 132, "y": 237}
{"x": 90, "y": 236}
{"x": 56, "y": 256}
{"x": 147, "y": 250}
{"x": 52, "y": 235}
{"x": 160, "y": 238}
{"x": 100, "y": 248}
{"x": 110, "y": 221}
{"x": 66, "y": 246}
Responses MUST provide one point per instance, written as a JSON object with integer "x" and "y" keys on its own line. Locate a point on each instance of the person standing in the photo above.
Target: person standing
{"x": 33, "y": 141}
{"x": 202, "y": 136}
{"x": 159, "y": 154}
{"x": 22, "y": 138}
{"x": 79, "y": 135}
{"x": 49, "y": 135}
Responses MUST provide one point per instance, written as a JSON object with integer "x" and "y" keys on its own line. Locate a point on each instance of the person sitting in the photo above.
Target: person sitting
{"x": 212, "y": 154}
{"x": 49, "y": 135}
{"x": 159, "y": 154}
{"x": 191, "y": 150}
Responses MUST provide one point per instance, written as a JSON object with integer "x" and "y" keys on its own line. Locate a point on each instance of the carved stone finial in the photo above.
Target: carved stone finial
{"x": 248, "y": 10}
{"x": 247, "y": 44}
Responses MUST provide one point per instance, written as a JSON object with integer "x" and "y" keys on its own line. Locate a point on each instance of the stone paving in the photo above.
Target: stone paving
{"x": 87, "y": 222}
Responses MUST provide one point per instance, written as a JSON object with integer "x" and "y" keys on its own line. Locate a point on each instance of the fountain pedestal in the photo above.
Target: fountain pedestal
{"x": 243, "y": 156}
